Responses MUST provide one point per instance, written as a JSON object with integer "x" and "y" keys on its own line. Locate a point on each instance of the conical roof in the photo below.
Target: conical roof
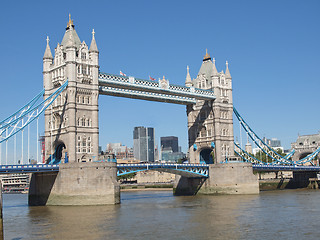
{"x": 188, "y": 78}
{"x": 228, "y": 75}
{"x": 47, "y": 53}
{"x": 71, "y": 34}
{"x": 93, "y": 45}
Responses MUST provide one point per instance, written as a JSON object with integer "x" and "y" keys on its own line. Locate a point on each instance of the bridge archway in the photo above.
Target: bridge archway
{"x": 57, "y": 156}
{"x": 206, "y": 156}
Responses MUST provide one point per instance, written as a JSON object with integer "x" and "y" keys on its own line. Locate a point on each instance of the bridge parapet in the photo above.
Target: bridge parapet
{"x": 163, "y": 86}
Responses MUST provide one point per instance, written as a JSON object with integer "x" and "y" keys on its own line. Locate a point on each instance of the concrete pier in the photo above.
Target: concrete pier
{"x": 226, "y": 178}
{"x": 76, "y": 184}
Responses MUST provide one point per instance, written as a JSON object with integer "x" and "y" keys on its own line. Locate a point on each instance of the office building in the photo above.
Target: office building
{"x": 170, "y": 142}
{"x": 143, "y": 144}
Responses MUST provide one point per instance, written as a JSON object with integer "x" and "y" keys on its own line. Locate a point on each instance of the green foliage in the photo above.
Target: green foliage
{"x": 265, "y": 158}
{"x": 127, "y": 176}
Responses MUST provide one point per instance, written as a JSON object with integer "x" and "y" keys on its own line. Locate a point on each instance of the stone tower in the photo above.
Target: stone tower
{"x": 210, "y": 124}
{"x": 71, "y": 122}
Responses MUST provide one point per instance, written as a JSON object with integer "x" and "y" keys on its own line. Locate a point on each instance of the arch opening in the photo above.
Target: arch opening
{"x": 206, "y": 156}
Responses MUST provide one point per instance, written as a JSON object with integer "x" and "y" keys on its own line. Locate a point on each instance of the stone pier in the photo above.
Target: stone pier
{"x": 225, "y": 178}
{"x": 76, "y": 184}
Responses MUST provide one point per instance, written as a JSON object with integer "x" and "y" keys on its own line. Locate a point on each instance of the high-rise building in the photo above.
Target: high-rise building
{"x": 170, "y": 142}
{"x": 143, "y": 144}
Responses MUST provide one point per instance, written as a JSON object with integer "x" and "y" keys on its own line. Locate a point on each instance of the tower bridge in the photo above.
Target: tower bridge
{"x": 73, "y": 85}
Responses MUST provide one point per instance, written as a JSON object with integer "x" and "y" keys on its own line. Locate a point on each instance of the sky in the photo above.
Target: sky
{"x": 272, "y": 48}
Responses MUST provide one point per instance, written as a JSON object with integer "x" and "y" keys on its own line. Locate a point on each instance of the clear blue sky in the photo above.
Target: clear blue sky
{"x": 272, "y": 48}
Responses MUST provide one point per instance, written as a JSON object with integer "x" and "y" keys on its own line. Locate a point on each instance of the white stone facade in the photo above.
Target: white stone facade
{"x": 71, "y": 122}
{"x": 210, "y": 123}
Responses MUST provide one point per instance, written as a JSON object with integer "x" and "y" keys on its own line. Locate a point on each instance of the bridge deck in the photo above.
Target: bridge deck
{"x": 130, "y": 87}
{"x": 191, "y": 170}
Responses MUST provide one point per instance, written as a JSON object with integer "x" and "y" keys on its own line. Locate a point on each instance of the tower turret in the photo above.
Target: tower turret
{"x": 47, "y": 61}
{"x": 228, "y": 75}
{"x": 188, "y": 78}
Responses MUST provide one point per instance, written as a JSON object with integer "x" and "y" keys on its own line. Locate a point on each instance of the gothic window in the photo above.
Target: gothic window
{"x": 89, "y": 147}
{"x": 83, "y": 122}
{"x": 209, "y": 132}
{"x": 88, "y": 122}
{"x": 83, "y": 100}
{"x": 78, "y": 123}
{"x": 203, "y": 132}
{"x": 79, "y": 146}
{"x": 83, "y": 55}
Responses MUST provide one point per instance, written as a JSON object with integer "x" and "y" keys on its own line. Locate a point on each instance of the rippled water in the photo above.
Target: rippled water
{"x": 160, "y": 215}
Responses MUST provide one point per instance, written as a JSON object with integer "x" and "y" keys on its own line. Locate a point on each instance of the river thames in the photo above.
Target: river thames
{"x": 288, "y": 214}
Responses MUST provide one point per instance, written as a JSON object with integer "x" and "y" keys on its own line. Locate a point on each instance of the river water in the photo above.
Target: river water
{"x": 160, "y": 215}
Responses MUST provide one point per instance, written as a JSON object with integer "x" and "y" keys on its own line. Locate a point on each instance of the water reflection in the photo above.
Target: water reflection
{"x": 160, "y": 215}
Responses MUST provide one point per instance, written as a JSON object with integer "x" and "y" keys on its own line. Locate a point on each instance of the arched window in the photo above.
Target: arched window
{"x": 83, "y": 122}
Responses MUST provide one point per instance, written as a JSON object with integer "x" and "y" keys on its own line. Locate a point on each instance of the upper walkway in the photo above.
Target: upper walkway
{"x": 160, "y": 91}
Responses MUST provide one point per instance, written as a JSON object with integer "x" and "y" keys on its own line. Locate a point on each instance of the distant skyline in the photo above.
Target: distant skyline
{"x": 272, "y": 48}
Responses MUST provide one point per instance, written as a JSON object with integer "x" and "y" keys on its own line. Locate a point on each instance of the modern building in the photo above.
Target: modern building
{"x": 170, "y": 150}
{"x": 167, "y": 155}
{"x": 170, "y": 142}
{"x": 273, "y": 143}
{"x": 120, "y": 151}
{"x": 143, "y": 144}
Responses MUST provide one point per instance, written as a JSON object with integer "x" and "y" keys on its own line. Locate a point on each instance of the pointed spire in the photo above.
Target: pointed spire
{"x": 214, "y": 71}
{"x": 207, "y": 56}
{"x": 70, "y": 23}
{"x": 228, "y": 75}
{"x": 93, "y": 46}
{"x": 47, "y": 53}
{"x": 188, "y": 78}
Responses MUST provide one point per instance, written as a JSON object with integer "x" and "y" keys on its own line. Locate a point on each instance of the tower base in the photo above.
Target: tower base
{"x": 225, "y": 178}
{"x": 76, "y": 184}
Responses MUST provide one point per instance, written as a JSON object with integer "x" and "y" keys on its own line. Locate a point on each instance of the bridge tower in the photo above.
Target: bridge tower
{"x": 210, "y": 124}
{"x": 71, "y": 122}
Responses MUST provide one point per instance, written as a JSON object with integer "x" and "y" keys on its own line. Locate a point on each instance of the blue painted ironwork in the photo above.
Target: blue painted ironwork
{"x": 29, "y": 168}
{"x": 247, "y": 157}
{"x": 116, "y": 85}
{"x": 295, "y": 168}
{"x": 259, "y": 142}
{"x": 189, "y": 170}
{"x": 277, "y": 158}
{"x": 27, "y": 114}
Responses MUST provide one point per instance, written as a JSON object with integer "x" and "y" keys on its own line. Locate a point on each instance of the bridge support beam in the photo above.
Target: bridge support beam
{"x": 226, "y": 178}
{"x": 76, "y": 184}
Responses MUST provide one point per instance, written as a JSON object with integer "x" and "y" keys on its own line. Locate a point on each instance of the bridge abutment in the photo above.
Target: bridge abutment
{"x": 226, "y": 178}
{"x": 76, "y": 184}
